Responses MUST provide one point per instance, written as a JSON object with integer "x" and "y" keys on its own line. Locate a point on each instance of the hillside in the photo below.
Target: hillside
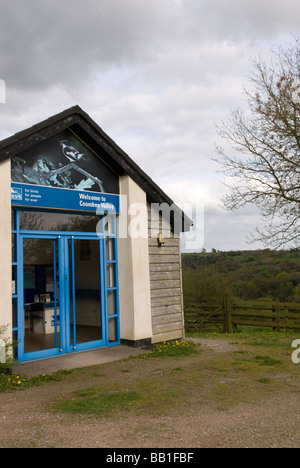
{"x": 248, "y": 275}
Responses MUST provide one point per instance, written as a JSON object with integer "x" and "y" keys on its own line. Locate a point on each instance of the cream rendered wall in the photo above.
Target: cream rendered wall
{"x": 5, "y": 248}
{"x": 133, "y": 256}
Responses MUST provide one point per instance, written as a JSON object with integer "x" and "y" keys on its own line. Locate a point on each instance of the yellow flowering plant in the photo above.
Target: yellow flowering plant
{"x": 9, "y": 382}
{"x": 174, "y": 348}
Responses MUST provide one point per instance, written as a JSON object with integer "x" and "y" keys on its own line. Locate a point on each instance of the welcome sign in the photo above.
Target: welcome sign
{"x": 65, "y": 174}
{"x": 24, "y": 195}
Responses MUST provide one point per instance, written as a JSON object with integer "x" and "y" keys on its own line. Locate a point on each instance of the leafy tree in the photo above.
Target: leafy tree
{"x": 297, "y": 293}
{"x": 5, "y": 367}
{"x": 205, "y": 285}
{"x": 265, "y": 274}
{"x": 265, "y": 163}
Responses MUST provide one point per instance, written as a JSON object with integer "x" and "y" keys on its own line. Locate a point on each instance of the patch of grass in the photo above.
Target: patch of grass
{"x": 171, "y": 394}
{"x": 95, "y": 400}
{"x": 266, "y": 338}
{"x": 98, "y": 374}
{"x": 250, "y": 363}
{"x": 146, "y": 395}
{"x": 267, "y": 361}
{"x": 87, "y": 392}
{"x": 264, "y": 380}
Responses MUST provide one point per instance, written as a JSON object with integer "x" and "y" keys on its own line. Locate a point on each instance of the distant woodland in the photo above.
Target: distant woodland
{"x": 246, "y": 275}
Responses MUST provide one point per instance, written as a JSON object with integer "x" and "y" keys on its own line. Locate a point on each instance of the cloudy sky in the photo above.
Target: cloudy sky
{"x": 156, "y": 75}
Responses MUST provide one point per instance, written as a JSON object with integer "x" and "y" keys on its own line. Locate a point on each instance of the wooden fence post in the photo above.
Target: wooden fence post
{"x": 276, "y": 317}
{"x": 227, "y": 314}
{"x": 286, "y": 318}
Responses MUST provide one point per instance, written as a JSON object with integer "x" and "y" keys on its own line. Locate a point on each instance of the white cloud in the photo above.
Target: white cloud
{"x": 155, "y": 75}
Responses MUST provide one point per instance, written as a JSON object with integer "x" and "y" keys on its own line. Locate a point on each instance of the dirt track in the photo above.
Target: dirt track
{"x": 206, "y": 403}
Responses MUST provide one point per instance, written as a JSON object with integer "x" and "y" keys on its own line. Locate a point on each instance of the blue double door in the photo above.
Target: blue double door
{"x": 64, "y": 279}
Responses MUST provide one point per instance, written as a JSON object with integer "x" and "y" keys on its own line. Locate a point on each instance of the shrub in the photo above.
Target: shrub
{"x": 5, "y": 367}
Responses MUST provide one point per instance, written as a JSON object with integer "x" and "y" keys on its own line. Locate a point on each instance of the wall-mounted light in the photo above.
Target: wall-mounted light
{"x": 160, "y": 239}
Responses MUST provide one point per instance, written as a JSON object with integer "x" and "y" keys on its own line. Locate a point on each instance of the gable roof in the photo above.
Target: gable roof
{"x": 81, "y": 123}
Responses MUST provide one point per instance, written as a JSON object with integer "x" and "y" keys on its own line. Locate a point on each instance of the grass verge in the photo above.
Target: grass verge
{"x": 11, "y": 381}
{"x": 96, "y": 400}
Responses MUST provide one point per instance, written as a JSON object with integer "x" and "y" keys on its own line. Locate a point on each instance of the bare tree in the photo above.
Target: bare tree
{"x": 265, "y": 166}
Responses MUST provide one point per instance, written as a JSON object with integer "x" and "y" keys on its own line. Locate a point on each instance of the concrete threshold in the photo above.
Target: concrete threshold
{"x": 76, "y": 360}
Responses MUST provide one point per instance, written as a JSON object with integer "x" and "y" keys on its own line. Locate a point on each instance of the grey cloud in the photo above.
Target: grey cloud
{"x": 45, "y": 42}
{"x": 247, "y": 19}
{"x": 230, "y": 231}
{"x": 155, "y": 75}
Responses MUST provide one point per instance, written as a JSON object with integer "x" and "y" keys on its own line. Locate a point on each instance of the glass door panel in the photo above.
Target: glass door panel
{"x": 41, "y": 294}
{"x": 112, "y": 291}
{"x": 113, "y": 335}
{"x": 85, "y": 287}
{"x": 111, "y": 302}
{"x": 110, "y": 254}
{"x": 66, "y": 296}
{"x": 110, "y": 275}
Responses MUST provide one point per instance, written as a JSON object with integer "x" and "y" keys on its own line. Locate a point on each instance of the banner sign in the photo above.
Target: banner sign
{"x": 38, "y": 196}
{"x": 64, "y": 161}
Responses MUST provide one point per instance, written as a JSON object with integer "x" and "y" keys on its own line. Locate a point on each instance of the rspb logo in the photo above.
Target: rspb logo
{"x": 16, "y": 194}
